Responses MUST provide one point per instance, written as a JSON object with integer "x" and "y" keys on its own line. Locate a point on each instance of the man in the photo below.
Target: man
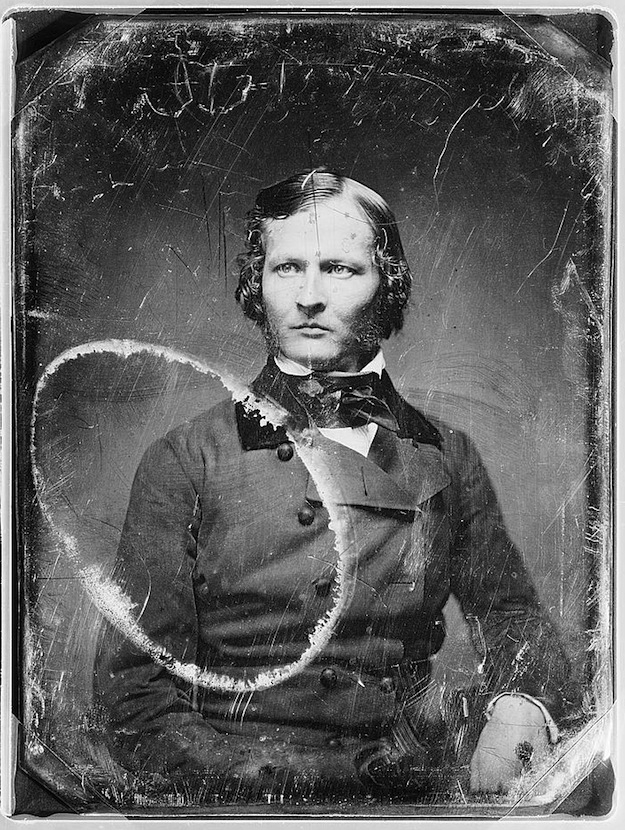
{"x": 230, "y": 552}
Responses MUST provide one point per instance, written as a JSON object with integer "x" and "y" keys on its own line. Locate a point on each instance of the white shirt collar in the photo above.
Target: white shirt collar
{"x": 291, "y": 367}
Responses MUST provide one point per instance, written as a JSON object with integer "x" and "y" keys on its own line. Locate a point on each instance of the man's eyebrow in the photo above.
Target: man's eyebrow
{"x": 280, "y": 258}
{"x": 285, "y": 256}
{"x": 344, "y": 258}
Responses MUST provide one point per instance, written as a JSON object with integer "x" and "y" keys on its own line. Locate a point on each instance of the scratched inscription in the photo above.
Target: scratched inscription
{"x": 140, "y": 143}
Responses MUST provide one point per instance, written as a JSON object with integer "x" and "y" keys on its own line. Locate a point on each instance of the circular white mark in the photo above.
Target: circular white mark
{"x": 118, "y": 608}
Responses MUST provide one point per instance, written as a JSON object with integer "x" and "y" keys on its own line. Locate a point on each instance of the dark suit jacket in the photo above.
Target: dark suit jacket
{"x": 227, "y": 553}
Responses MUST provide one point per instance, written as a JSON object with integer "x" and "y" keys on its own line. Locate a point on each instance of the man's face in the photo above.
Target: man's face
{"x": 320, "y": 284}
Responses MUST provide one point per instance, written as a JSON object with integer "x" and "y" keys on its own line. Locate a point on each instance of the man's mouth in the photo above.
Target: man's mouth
{"x": 311, "y": 327}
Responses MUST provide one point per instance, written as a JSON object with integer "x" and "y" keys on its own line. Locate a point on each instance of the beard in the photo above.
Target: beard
{"x": 270, "y": 333}
{"x": 365, "y": 332}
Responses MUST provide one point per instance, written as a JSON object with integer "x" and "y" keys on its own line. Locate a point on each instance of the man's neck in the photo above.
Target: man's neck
{"x": 291, "y": 367}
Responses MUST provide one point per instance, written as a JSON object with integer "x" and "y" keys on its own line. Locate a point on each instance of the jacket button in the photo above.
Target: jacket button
{"x": 285, "y": 452}
{"x": 387, "y": 685}
{"x": 328, "y": 678}
{"x": 322, "y": 586}
{"x": 306, "y": 515}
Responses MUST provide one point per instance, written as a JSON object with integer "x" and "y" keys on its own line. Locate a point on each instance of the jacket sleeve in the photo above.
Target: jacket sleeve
{"x": 148, "y": 710}
{"x": 153, "y": 727}
{"x": 513, "y": 634}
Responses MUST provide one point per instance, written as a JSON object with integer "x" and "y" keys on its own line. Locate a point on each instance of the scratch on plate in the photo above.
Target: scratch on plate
{"x": 117, "y": 606}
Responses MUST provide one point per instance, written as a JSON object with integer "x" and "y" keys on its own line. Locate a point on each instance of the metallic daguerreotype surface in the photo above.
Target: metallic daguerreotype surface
{"x": 312, "y": 386}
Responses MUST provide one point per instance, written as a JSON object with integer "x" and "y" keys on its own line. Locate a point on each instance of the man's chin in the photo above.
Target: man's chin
{"x": 320, "y": 362}
{"x": 314, "y": 355}
{"x": 320, "y": 355}
{"x": 316, "y": 361}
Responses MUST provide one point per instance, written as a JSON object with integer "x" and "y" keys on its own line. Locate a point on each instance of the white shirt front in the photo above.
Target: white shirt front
{"x": 356, "y": 438}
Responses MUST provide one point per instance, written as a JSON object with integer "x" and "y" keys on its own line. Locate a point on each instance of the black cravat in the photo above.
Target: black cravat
{"x": 343, "y": 400}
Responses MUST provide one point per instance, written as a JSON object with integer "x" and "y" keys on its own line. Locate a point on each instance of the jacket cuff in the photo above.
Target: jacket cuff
{"x": 552, "y": 729}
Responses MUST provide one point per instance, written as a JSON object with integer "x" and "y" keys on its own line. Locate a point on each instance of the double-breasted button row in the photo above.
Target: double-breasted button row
{"x": 387, "y": 685}
{"x": 285, "y": 451}
{"x": 306, "y": 515}
{"x": 328, "y": 678}
{"x": 323, "y": 586}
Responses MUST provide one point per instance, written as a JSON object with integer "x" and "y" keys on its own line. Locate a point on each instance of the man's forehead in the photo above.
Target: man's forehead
{"x": 329, "y": 220}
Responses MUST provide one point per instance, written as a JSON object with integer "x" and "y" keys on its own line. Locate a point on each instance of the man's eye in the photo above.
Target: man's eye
{"x": 340, "y": 270}
{"x": 285, "y": 269}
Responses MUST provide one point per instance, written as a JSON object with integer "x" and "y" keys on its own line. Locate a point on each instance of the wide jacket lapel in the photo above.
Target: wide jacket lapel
{"x": 412, "y": 473}
{"x": 419, "y": 468}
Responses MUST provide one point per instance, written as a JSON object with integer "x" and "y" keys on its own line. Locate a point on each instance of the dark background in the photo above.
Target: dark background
{"x": 139, "y": 145}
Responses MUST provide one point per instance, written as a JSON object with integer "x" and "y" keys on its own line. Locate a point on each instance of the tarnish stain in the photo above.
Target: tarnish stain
{"x": 118, "y": 608}
{"x": 571, "y": 276}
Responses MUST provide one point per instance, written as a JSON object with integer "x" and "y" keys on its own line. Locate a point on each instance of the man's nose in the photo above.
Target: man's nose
{"x": 312, "y": 297}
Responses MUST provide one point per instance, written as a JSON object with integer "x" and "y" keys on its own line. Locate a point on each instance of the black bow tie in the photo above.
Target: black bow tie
{"x": 343, "y": 400}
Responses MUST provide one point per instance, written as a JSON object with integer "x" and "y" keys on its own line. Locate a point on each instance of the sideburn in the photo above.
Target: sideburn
{"x": 272, "y": 340}
{"x": 368, "y": 329}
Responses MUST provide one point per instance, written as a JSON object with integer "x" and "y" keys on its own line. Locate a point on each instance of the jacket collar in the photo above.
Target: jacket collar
{"x": 271, "y": 384}
{"x": 397, "y": 474}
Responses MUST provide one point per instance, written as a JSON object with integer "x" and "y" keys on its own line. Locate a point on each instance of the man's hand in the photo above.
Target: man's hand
{"x": 514, "y": 739}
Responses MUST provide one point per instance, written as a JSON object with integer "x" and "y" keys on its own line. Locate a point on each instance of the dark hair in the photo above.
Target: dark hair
{"x": 295, "y": 194}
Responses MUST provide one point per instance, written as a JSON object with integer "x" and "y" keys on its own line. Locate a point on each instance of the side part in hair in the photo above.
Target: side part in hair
{"x": 295, "y": 194}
